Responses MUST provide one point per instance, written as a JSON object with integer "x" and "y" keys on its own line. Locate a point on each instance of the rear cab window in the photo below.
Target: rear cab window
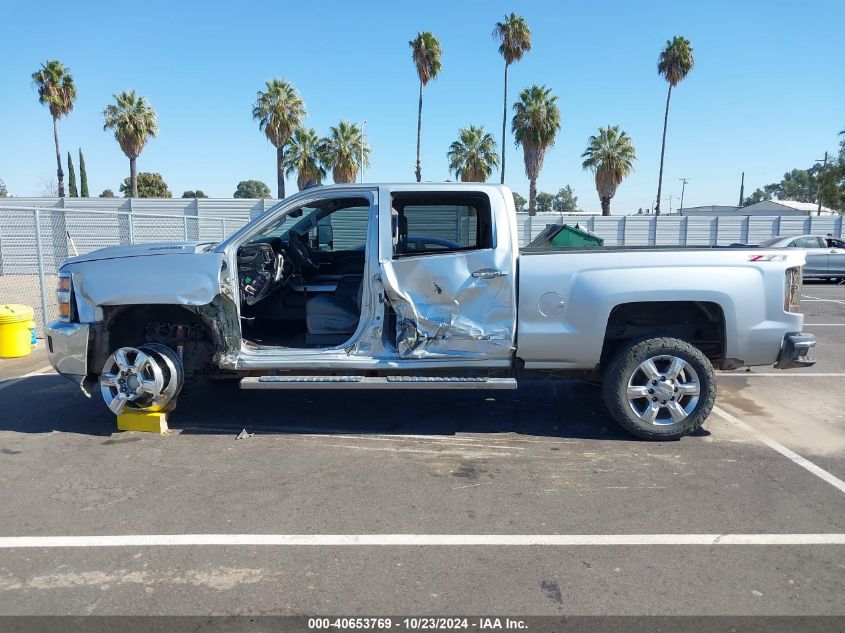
{"x": 439, "y": 223}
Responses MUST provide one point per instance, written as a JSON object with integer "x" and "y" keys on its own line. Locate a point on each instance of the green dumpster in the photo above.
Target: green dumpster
{"x": 570, "y": 236}
{"x": 565, "y": 236}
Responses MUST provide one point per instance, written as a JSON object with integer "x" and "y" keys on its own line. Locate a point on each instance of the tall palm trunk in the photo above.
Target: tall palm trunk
{"x": 59, "y": 173}
{"x": 280, "y": 171}
{"x": 133, "y": 177}
{"x": 662, "y": 151}
{"x": 419, "y": 131}
{"x": 605, "y": 205}
{"x": 532, "y": 196}
{"x": 504, "y": 122}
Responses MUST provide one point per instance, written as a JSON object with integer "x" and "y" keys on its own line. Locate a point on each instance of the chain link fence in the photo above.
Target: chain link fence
{"x": 35, "y": 241}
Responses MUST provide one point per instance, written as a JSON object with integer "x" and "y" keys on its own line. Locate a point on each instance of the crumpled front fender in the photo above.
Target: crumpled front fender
{"x": 189, "y": 280}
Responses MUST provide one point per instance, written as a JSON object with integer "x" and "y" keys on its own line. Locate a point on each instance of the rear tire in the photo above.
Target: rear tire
{"x": 660, "y": 388}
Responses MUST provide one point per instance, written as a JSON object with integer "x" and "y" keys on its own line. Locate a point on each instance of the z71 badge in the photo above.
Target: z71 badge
{"x": 767, "y": 258}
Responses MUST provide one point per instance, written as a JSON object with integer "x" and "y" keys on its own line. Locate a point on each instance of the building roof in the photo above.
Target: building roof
{"x": 764, "y": 207}
{"x": 714, "y": 209}
{"x": 806, "y": 207}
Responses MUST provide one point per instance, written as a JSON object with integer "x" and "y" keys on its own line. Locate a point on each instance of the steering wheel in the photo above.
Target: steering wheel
{"x": 301, "y": 251}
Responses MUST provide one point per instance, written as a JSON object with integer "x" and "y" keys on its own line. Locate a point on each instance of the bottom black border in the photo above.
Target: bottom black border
{"x": 540, "y": 624}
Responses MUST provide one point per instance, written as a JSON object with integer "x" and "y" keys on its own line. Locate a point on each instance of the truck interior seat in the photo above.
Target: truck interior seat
{"x": 332, "y": 319}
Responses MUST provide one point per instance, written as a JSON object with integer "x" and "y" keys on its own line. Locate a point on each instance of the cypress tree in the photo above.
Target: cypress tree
{"x": 71, "y": 178}
{"x": 83, "y": 177}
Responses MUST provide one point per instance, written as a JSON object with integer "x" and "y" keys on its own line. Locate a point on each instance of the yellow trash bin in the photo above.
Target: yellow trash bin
{"x": 15, "y": 333}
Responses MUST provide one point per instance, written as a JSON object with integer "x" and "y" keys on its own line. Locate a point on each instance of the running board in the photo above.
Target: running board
{"x": 365, "y": 382}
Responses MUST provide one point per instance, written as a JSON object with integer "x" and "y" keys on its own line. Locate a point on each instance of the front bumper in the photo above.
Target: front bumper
{"x": 67, "y": 348}
{"x": 795, "y": 351}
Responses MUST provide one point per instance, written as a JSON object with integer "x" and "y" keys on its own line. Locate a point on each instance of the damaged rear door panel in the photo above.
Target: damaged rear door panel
{"x": 452, "y": 297}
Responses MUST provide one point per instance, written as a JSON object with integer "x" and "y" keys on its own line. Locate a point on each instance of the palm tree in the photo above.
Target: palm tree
{"x": 134, "y": 121}
{"x": 535, "y": 126}
{"x": 514, "y": 38}
{"x": 675, "y": 63}
{"x": 343, "y": 150}
{"x": 473, "y": 156}
{"x": 279, "y": 111}
{"x": 303, "y": 158}
{"x": 425, "y": 50}
{"x": 610, "y": 155}
{"x": 57, "y": 91}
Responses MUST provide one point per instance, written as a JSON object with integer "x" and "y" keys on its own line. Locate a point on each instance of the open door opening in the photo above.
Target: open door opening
{"x": 301, "y": 278}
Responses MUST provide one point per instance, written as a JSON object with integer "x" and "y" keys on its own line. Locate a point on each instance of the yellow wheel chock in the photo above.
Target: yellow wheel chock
{"x": 145, "y": 421}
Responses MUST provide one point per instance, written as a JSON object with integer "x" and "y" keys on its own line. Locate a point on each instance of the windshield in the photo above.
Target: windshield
{"x": 308, "y": 216}
{"x": 282, "y": 225}
{"x": 771, "y": 241}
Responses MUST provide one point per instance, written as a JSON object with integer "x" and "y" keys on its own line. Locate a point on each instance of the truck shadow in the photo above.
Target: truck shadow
{"x": 562, "y": 409}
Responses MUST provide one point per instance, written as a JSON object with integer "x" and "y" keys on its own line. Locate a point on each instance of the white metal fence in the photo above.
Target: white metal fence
{"x": 34, "y": 241}
{"x": 212, "y": 207}
{"x": 681, "y": 230}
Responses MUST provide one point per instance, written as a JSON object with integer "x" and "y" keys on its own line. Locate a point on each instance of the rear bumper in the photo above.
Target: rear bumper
{"x": 67, "y": 348}
{"x": 795, "y": 351}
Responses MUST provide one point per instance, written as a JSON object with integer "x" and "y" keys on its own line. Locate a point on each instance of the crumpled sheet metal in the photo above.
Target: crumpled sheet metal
{"x": 158, "y": 279}
{"x": 442, "y": 311}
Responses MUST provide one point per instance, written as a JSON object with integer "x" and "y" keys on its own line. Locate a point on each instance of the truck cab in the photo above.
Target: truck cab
{"x": 373, "y": 277}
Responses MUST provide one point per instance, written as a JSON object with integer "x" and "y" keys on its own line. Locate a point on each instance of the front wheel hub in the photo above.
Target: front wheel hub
{"x": 146, "y": 378}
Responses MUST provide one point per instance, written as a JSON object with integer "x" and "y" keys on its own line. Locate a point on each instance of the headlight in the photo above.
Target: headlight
{"x": 792, "y": 290}
{"x": 63, "y": 295}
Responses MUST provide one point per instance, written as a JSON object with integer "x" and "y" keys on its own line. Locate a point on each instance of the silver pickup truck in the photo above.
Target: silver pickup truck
{"x": 423, "y": 286}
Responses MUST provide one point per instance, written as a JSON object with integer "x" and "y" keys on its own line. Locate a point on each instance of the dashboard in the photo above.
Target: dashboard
{"x": 262, "y": 268}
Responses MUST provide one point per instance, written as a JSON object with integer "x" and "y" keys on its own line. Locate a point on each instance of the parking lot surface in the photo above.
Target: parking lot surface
{"x": 329, "y": 467}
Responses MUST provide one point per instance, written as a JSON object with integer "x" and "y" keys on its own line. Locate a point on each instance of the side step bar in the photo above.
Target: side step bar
{"x": 364, "y": 382}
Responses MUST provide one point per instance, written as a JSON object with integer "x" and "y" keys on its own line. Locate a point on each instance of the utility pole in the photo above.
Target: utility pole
{"x": 821, "y": 173}
{"x": 684, "y": 182}
{"x": 363, "y": 144}
{"x": 742, "y": 190}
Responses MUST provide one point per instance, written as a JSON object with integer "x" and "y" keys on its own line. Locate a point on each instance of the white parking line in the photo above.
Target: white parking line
{"x": 809, "y": 298}
{"x": 13, "y": 381}
{"x": 782, "y": 374}
{"x": 332, "y": 540}
{"x": 818, "y": 471}
{"x": 824, "y": 324}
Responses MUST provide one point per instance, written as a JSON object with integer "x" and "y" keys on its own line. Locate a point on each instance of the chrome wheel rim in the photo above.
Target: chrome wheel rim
{"x": 663, "y": 390}
{"x": 174, "y": 374}
{"x": 130, "y": 376}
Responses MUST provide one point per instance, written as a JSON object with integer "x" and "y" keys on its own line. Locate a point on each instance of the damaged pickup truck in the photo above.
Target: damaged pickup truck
{"x": 423, "y": 286}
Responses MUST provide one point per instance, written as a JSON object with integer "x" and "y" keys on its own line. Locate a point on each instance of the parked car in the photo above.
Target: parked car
{"x": 473, "y": 312}
{"x": 825, "y": 254}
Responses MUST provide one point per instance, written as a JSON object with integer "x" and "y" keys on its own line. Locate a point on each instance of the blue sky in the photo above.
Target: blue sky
{"x": 767, "y": 93}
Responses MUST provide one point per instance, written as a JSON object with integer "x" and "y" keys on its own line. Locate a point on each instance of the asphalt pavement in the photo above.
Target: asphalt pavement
{"x": 331, "y": 468}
